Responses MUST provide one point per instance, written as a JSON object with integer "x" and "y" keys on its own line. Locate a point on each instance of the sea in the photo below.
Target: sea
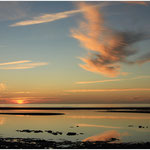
{"x": 77, "y": 125}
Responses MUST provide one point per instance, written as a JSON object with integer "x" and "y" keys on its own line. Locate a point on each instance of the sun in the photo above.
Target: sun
{"x": 20, "y": 101}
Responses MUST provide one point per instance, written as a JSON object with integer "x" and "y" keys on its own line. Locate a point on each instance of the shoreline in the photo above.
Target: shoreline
{"x": 73, "y": 108}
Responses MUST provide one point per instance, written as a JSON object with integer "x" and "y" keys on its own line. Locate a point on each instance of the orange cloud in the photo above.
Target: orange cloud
{"x": 93, "y": 125}
{"x": 107, "y": 90}
{"x": 110, "y": 47}
{"x": 23, "y": 92}
{"x": 106, "y": 136}
{"x": 90, "y": 82}
{"x": 112, "y": 80}
{"x": 15, "y": 62}
{"x": 24, "y": 64}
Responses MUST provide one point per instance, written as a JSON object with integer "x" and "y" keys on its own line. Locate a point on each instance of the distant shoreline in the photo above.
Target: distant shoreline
{"x": 33, "y": 114}
{"x": 73, "y": 108}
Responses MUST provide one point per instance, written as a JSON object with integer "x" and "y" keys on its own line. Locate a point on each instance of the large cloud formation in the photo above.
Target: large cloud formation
{"x": 110, "y": 48}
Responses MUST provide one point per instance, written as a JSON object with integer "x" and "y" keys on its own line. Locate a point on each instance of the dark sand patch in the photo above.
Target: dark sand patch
{"x": 33, "y": 114}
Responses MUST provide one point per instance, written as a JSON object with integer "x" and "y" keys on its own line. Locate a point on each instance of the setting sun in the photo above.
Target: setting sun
{"x": 20, "y": 101}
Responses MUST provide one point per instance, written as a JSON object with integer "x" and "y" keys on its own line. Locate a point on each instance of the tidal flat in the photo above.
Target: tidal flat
{"x": 73, "y": 127}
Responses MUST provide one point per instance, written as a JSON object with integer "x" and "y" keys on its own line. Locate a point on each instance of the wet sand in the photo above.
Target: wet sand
{"x": 24, "y": 143}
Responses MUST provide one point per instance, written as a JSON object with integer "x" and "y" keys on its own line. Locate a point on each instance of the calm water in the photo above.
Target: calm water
{"x": 93, "y": 124}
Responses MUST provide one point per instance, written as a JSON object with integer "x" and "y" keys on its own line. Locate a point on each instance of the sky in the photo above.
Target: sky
{"x": 74, "y": 52}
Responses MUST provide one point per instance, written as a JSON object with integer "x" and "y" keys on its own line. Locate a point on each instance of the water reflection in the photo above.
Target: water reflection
{"x": 111, "y": 135}
{"x": 109, "y": 117}
{"x": 99, "y": 126}
{"x": 2, "y": 120}
{"x": 84, "y": 123}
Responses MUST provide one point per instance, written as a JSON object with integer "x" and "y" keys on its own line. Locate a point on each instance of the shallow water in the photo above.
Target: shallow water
{"x": 93, "y": 124}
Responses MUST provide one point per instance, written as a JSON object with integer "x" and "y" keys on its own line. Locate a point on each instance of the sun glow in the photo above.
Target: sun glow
{"x": 20, "y": 101}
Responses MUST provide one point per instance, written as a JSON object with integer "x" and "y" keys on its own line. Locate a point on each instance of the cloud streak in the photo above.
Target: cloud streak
{"x": 14, "y": 62}
{"x": 24, "y": 64}
{"x": 53, "y": 16}
{"x": 112, "y": 80}
{"x": 107, "y": 90}
{"x": 46, "y": 18}
{"x": 102, "y": 81}
{"x": 108, "y": 48}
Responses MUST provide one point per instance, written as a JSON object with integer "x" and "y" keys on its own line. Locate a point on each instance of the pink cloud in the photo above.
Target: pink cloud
{"x": 108, "y": 48}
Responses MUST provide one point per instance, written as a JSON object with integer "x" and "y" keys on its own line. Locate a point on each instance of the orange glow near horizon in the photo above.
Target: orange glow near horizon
{"x": 20, "y": 101}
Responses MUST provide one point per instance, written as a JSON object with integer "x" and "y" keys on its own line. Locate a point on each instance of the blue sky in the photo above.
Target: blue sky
{"x": 53, "y": 53}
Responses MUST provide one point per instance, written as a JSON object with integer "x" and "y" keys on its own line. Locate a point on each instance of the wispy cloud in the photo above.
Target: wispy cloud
{"x": 15, "y": 62}
{"x": 53, "y": 16}
{"x": 90, "y": 82}
{"x": 99, "y": 126}
{"x": 107, "y": 90}
{"x": 46, "y": 18}
{"x": 23, "y": 92}
{"x": 112, "y": 80}
{"x": 24, "y": 64}
{"x": 111, "y": 48}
